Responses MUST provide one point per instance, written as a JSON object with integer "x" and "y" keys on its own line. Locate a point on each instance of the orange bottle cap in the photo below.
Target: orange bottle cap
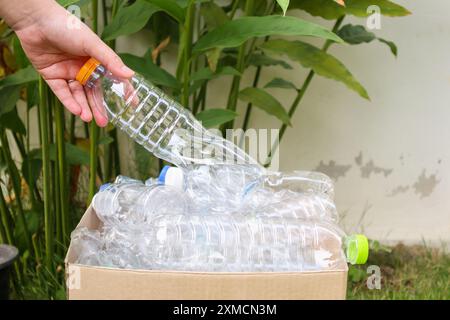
{"x": 86, "y": 70}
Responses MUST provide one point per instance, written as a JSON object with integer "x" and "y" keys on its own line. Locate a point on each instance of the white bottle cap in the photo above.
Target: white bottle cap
{"x": 172, "y": 176}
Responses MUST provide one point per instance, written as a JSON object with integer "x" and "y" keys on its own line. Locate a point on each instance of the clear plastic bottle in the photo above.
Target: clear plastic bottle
{"x": 212, "y": 189}
{"x": 221, "y": 243}
{"x": 307, "y": 182}
{"x": 290, "y": 204}
{"x": 246, "y": 188}
{"x": 238, "y": 243}
{"x": 125, "y": 179}
{"x": 155, "y": 120}
{"x": 135, "y": 203}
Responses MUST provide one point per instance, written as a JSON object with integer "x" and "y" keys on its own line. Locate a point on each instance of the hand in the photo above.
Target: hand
{"x": 57, "y": 50}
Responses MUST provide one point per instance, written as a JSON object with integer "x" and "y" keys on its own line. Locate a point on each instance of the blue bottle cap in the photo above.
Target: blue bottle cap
{"x": 104, "y": 186}
{"x": 162, "y": 174}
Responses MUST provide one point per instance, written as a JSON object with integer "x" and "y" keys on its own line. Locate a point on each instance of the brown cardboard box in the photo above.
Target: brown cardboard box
{"x": 87, "y": 282}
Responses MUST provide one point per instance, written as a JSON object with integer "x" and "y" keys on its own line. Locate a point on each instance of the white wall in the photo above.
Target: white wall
{"x": 389, "y": 156}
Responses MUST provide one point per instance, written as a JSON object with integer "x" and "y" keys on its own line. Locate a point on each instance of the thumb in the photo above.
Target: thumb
{"x": 96, "y": 48}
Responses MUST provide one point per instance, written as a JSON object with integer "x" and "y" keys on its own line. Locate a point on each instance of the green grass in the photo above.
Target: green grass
{"x": 407, "y": 273}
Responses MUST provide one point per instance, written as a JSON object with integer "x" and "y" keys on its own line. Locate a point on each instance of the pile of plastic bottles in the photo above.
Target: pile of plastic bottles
{"x": 216, "y": 218}
{"x": 218, "y": 210}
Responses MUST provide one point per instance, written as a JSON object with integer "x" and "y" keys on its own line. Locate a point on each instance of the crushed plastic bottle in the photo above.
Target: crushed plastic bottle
{"x": 154, "y": 120}
{"x": 213, "y": 189}
{"x": 305, "y": 182}
{"x": 135, "y": 203}
{"x": 233, "y": 243}
{"x": 245, "y": 188}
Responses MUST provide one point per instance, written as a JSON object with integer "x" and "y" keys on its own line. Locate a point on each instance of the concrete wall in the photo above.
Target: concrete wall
{"x": 388, "y": 156}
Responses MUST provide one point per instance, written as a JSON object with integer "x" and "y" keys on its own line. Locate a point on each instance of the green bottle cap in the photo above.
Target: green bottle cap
{"x": 357, "y": 249}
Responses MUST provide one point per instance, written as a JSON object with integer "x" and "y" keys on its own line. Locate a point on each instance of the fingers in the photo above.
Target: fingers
{"x": 78, "y": 94}
{"x": 73, "y": 97}
{"x": 66, "y": 69}
{"x": 96, "y": 48}
{"x": 62, "y": 91}
{"x": 95, "y": 98}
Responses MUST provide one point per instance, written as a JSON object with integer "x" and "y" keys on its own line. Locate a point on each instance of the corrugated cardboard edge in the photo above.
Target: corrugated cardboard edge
{"x": 107, "y": 283}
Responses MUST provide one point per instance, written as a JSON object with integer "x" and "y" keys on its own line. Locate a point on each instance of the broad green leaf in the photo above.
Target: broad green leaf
{"x": 264, "y": 60}
{"x": 171, "y": 7}
{"x": 12, "y": 121}
{"x": 74, "y": 154}
{"x": 284, "y": 4}
{"x": 266, "y": 102}
{"x": 358, "y": 8}
{"x": 129, "y": 19}
{"x": 326, "y": 9}
{"x": 358, "y": 34}
{"x": 313, "y": 58}
{"x": 32, "y": 94}
{"x": 355, "y": 34}
{"x": 21, "y": 59}
{"x": 66, "y": 3}
{"x": 184, "y": 3}
{"x": 235, "y": 32}
{"x": 213, "y": 14}
{"x": 213, "y": 57}
{"x": 331, "y": 10}
{"x": 8, "y": 98}
{"x": 215, "y": 117}
{"x": 206, "y": 73}
{"x": 22, "y": 76}
{"x": 280, "y": 83}
{"x": 391, "y": 45}
{"x": 150, "y": 71}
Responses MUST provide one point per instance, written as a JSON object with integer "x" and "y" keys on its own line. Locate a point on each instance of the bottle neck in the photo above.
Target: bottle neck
{"x": 95, "y": 75}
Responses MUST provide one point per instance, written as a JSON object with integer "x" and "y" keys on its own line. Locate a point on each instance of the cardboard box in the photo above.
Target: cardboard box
{"x": 88, "y": 282}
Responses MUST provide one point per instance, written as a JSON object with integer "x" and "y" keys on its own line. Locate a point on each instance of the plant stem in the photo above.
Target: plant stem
{"x": 18, "y": 139}
{"x": 5, "y": 216}
{"x": 269, "y": 10}
{"x": 5, "y": 220}
{"x": 62, "y": 171}
{"x": 112, "y": 159}
{"x": 117, "y": 170}
{"x": 255, "y": 84}
{"x": 234, "y": 9}
{"x": 37, "y": 251}
{"x": 94, "y": 129}
{"x": 43, "y": 129}
{"x": 188, "y": 38}
{"x": 201, "y": 96}
{"x": 250, "y": 105}
{"x": 104, "y": 12}
{"x": 240, "y": 64}
{"x": 72, "y": 129}
{"x": 300, "y": 95}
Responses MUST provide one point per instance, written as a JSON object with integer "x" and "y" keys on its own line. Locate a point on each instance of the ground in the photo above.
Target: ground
{"x": 407, "y": 272}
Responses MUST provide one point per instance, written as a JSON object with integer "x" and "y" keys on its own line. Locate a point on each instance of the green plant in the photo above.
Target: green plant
{"x": 45, "y": 189}
{"x": 407, "y": 273}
